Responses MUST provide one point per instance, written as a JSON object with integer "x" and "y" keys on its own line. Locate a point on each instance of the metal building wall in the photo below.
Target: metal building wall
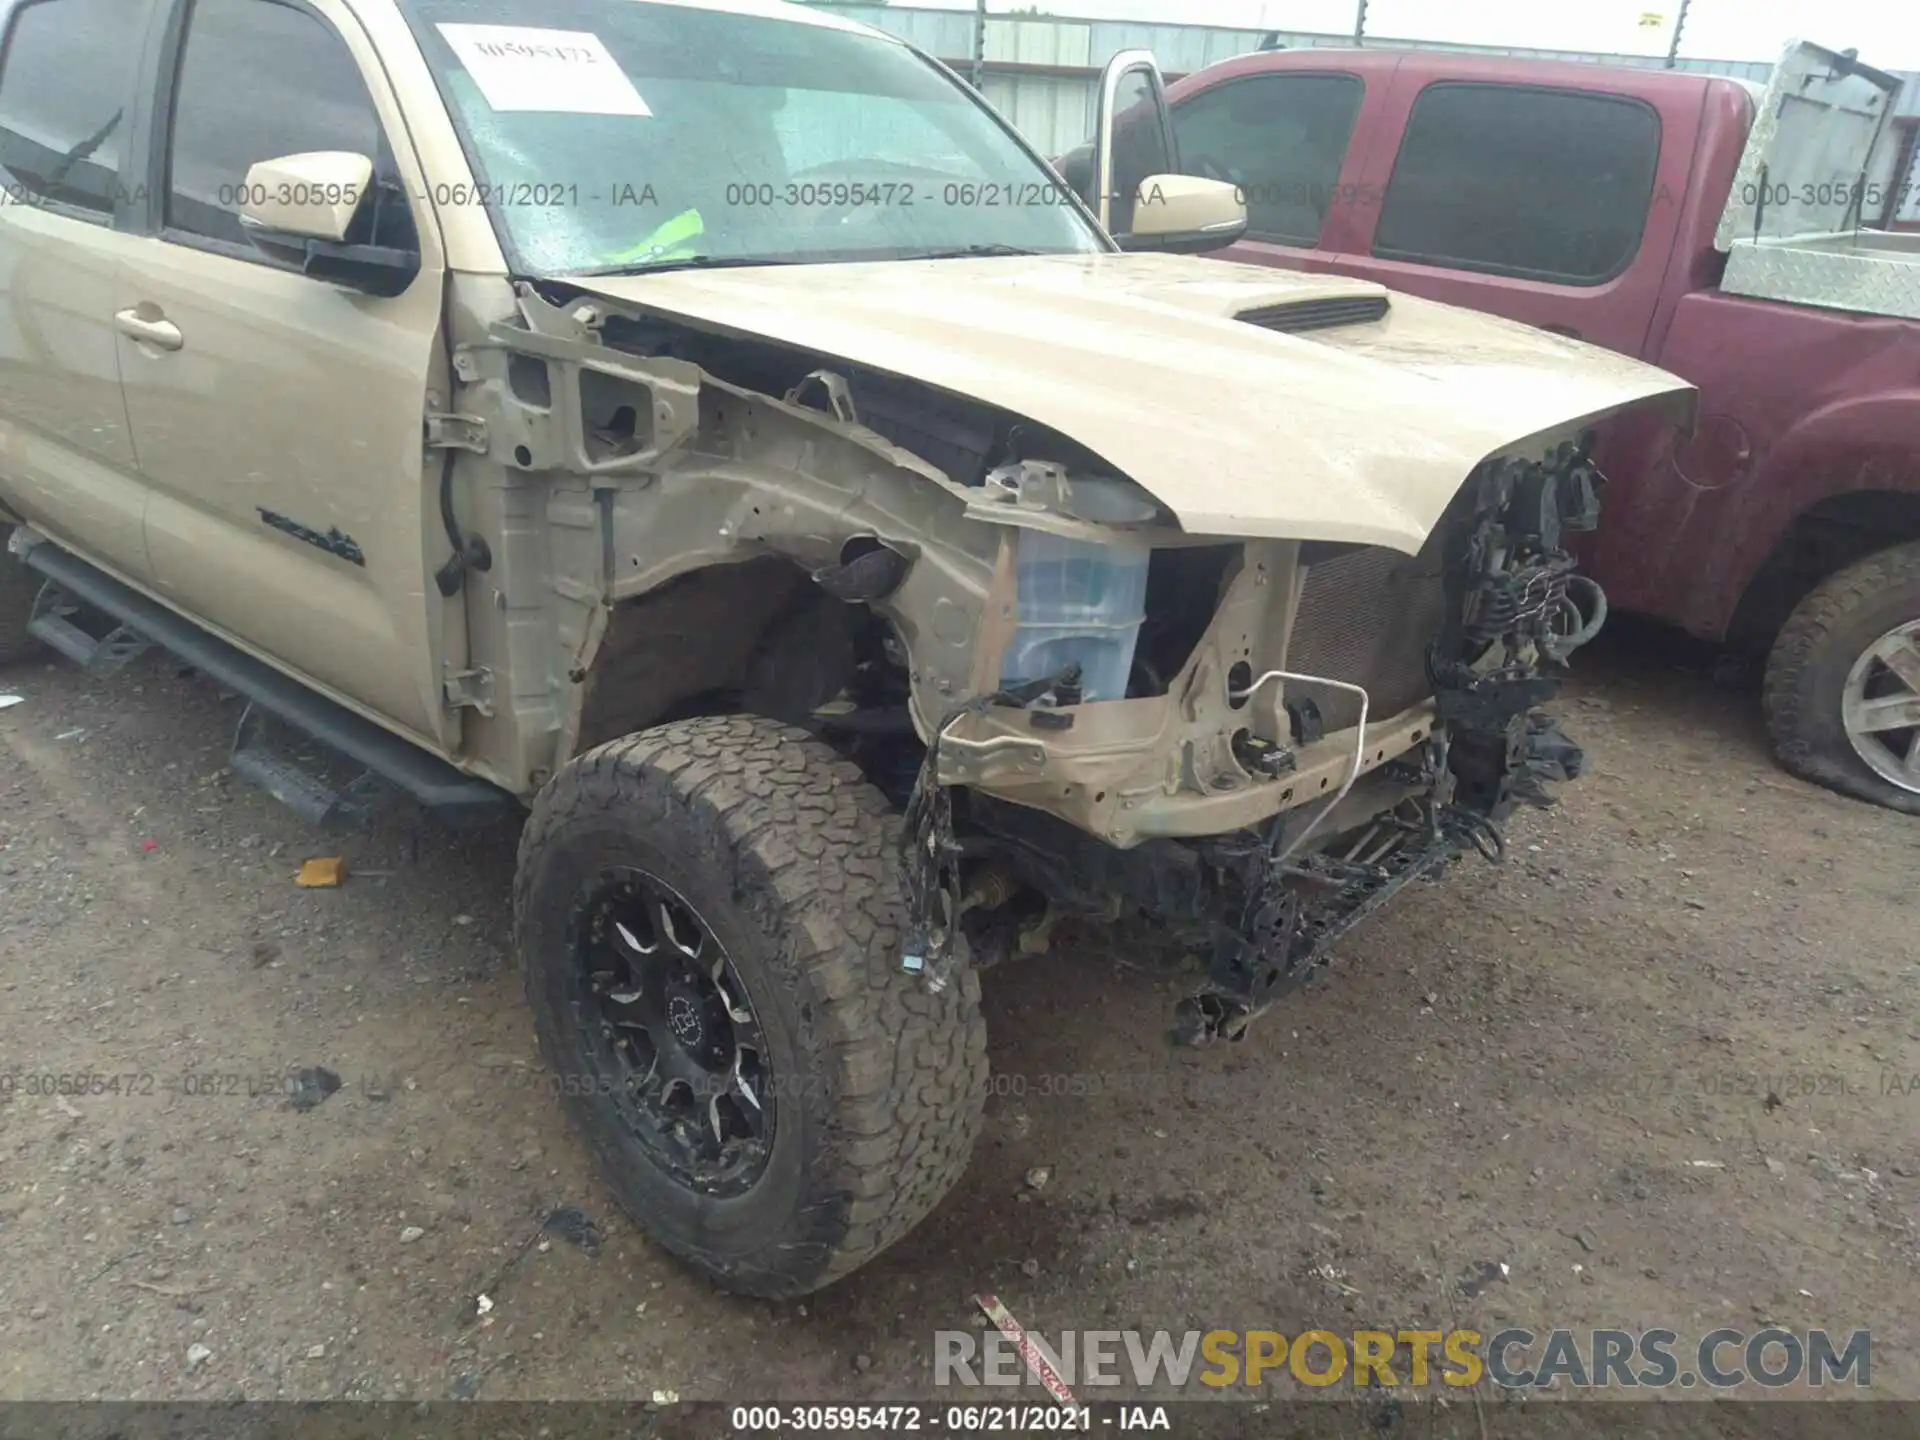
{"x": 1055, "y": 113}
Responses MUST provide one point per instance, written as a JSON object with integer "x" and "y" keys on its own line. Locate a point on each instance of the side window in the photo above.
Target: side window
{"x": 1516, "y": 180}
{"x": 1281, "y": 139}
{"x": 64, "y": 79}
{"x": 259, "y": 79}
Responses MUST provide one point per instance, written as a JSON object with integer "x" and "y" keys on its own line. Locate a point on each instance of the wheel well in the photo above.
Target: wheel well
{"x": 1822, "y": 540}
{"x": 683, "y": 650}
{"x": 757, "y": 637}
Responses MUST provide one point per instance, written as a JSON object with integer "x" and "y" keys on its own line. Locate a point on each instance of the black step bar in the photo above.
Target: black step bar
{"x": 455, "y": 798}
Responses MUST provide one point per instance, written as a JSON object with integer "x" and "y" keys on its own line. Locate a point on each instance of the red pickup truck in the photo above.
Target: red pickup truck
{"x": 1695, "y": 221}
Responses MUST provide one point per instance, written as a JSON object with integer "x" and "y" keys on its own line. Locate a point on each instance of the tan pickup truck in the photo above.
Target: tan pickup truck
{"x": 711, "y": 426}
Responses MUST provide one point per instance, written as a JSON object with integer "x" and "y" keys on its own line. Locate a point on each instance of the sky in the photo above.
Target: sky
{"x": 1886, "y": 32}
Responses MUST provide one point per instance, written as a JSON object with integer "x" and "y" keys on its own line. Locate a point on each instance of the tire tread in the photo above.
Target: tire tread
{"x": 1803, "y": 734}
{"x": 905, "y": 1067}
{"x": 19, "y": 588}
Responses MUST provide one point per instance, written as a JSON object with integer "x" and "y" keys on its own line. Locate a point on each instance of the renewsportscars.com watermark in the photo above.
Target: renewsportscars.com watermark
{"x": 1515, "y": 1359}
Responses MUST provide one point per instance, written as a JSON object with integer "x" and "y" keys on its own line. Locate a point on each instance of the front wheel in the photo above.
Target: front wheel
{"x": 1843, "y": 682}
{"x": 708, "y": 918}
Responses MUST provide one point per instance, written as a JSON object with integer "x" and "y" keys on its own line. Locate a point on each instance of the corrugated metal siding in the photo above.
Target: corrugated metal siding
{"x": 1179, "y": 48}
{"x": 1064, "y": 44}
{"x": 945, "y": 33}
{"x": 1054, "y": 113}
{"x": 1057, "y": 42}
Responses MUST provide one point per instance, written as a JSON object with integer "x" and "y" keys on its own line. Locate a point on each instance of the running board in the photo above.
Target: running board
{"x": 56, "y": 623}
{"x": 455, "y": 798}
{"x": 311, "y": 796}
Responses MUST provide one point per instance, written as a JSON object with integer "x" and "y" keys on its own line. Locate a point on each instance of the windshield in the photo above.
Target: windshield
{"x": 637, "y": 134}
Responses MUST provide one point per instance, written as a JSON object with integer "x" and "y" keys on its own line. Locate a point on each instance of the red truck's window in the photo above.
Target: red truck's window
{"x": 64, "y": 84}
{"x": 1521, "y": 180}
{"x": 1281, "y": 139}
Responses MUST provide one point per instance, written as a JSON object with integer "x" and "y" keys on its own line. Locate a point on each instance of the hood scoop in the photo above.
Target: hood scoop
{"x": 1323, "y": 313}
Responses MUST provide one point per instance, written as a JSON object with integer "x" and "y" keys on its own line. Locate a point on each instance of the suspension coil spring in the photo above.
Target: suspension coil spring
{"x": 1510, "y": 601}
{"x": 1499, "y": 610}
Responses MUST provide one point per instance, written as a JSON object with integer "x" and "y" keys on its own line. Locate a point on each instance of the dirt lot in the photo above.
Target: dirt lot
{"x": 1562, "y": 1067}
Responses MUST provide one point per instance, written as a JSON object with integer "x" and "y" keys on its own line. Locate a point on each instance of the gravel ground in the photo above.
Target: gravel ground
{"x": 1663, "y": 1067}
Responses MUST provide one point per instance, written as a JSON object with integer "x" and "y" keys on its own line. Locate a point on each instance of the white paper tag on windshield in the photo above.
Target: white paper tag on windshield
{"x": 518, "y": 68}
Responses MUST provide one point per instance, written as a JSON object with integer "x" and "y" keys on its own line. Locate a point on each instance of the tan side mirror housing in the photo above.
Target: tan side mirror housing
{"x": 300, "y": 210}
{"x": 312, "y": 196}
{"x": 1186, "y": 215}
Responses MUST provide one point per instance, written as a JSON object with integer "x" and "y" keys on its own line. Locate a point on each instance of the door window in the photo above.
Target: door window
{"x": 1519, "y": 180}
{"x": 260, "y": 79}
{"x": 1281, "y": 139}
{"x": 64, "y": 81}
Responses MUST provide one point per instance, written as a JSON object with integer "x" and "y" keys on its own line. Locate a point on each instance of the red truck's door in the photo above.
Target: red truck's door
{"x": 1555, "y": 203}
{"x": 1293, "y": 140}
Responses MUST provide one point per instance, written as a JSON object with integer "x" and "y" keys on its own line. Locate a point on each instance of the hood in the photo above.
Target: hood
{"x": 1360, "y": 433}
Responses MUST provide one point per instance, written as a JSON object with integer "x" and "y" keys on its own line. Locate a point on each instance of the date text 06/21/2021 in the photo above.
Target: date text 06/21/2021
{"x": 936, "y": 1420}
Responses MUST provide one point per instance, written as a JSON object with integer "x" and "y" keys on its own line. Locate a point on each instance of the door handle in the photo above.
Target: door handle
{"x": 160, "y": 333}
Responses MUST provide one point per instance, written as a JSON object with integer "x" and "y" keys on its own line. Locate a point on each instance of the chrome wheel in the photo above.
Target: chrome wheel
{"x": 675, "y": 1038}
{"x": 1881, "y": 707}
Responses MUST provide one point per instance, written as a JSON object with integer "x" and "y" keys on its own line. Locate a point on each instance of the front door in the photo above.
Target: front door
{"x": 1281, "y": 138}
{"x": 278, "y": 418}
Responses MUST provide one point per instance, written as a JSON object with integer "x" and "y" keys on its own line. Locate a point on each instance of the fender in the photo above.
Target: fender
{"x": 1864, "y": 443}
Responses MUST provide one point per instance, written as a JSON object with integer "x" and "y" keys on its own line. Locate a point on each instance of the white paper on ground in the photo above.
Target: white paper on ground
{"x": 519, "y": 68}
{"x": 7, "y": 701}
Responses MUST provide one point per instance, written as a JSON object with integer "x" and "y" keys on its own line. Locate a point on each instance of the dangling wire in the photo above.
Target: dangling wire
{"x": 930, "y": 854}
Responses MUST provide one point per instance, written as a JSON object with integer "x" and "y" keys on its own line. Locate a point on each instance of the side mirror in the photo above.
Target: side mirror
{"x": 302, "y": 210}
{"x": 305, "y": 197}
{"x": 1132, "y": 138}
{"x": 1185, "y": 215}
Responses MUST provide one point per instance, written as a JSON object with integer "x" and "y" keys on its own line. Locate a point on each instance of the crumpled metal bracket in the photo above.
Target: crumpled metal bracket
{"x": 839, "y": 396}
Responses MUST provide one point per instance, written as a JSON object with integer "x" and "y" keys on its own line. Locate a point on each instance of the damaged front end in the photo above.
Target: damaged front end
{"x": 1429, "y": 761}
{"x": 1253, "y": 739}
{"x": 1515, "y": 611}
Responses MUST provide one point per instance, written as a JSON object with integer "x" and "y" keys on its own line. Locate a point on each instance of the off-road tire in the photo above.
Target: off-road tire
{"x": 19, "y": 586}
{"x": 1816, "y": 650}
{"x": 789, "y": 855}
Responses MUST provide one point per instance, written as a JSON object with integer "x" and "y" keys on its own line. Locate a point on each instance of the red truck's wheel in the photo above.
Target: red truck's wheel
{"x": 1843, "y": 682}
{"x": 18, "y": 587}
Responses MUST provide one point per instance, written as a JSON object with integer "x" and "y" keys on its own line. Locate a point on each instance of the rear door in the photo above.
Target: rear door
{"x": 1545, "y": 203}
{"x": 68, "y": 79}
{"x": 278, "y": 418}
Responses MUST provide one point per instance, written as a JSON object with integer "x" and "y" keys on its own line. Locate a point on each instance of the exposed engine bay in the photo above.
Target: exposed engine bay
{"x": 1293, "y": 730}
{"x": 1266, "y": 904}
